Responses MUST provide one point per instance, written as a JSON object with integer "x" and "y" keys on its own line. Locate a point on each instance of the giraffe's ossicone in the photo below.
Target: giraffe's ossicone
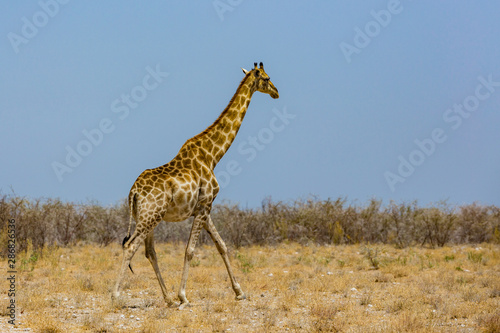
{"x": 186, "y": 186}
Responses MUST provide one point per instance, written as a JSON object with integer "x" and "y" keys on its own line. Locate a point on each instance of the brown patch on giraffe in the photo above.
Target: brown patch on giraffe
{"x": 208, "y": 145}
{"x": 220, "y": 140}
{"x": 180, "y": 196}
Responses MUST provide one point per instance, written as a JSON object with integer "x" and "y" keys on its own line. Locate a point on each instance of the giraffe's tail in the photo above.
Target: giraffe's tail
{"x": 132, "y": 203}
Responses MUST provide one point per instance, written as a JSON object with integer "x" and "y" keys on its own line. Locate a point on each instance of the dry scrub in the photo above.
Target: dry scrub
{"x": 47, "y": 222}
{"x": 290, "y": 287}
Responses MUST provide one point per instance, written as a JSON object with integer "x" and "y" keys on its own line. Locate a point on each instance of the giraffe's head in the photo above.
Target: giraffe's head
{"x": 262, "y": 80}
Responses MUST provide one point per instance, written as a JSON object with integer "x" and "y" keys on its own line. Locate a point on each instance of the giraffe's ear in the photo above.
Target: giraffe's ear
{"x": 244, "y": 71}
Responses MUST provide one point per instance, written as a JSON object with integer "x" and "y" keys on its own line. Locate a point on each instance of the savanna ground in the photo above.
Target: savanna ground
{"x": 289, "y": 287}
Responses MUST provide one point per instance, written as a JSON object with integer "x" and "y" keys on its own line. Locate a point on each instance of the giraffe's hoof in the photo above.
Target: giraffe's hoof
{"x": 184, "y": 305}
{"x": 170, "y": 302}
{"x": 115, "y": 295}
{"x": 241, "y": 297}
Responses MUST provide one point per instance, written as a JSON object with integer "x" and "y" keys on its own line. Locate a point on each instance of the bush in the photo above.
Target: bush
{"x": 46, "y": 222}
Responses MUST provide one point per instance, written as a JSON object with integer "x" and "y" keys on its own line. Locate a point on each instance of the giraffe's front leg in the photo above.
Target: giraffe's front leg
{"x": 193, "y": 238}
{"x": 221, "y": 247}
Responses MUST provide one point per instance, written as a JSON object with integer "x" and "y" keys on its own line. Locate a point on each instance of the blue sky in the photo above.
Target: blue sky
{"x": 395, "y": 100}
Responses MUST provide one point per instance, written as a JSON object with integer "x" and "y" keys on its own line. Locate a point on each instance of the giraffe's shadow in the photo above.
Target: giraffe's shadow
{"x": 133, "y": 302}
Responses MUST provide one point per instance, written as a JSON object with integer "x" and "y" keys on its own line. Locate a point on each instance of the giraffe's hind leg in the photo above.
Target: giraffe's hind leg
{"x": 221, "y": 247}
{"x": 151, "y": 255}
{"x": 129, "y": 249}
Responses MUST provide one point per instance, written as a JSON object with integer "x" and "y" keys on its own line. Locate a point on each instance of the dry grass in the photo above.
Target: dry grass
{"x": 290, "y": 287}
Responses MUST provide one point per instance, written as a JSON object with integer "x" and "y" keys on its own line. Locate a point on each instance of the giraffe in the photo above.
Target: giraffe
{"x": 186, "y": 186}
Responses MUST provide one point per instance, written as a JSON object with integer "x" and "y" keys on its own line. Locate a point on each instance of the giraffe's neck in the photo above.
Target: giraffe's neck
{"x": 219, "y": 136}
